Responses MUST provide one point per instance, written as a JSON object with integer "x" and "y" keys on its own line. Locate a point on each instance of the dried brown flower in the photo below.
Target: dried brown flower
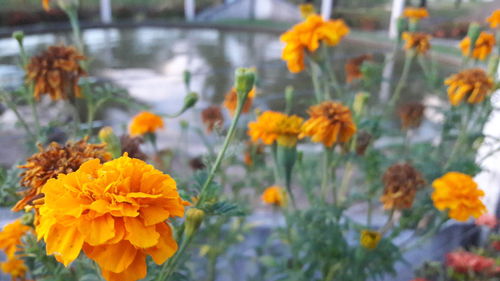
{"x": 353, "y": 67}
{"x": 56, "y": 72}
{"x": 401, "y": 184}
{"x": 411, "y": 115}
{"x": 132, "y": 145}
{"x": 363, "y": 141}
{"x": 212, "y": 117}
{"x": 196, "y": 163}
{"x": 52, "y": 161}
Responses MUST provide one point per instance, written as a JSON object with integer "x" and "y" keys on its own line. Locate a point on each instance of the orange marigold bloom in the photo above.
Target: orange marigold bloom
{"x": 329, "y": 123}
{"x": 56, "y": 72}
{"x": 15, "y": 267}
{"x": 411, "y": 115}
{"x": 52, "y": 161}
{"x": 415, "y": 13}
{"x": 212, "y": 117}
{"x": 401, "y": 183}
{"x": 307, "y": 36}
{"x": 459, "y": 194}
{"x": 417, "y": 41}
{"x": 482, "y": 48}
{"x": 10, "y": 237}
{"x": 370, "y": 238}
{"x": 46, "y": 4}
{"x": 231, "y": 101}
{"x": 273, "y": 126}
{"x": 473, "y": 85}
{"x": 353, "y": 67}
{"x": 274, "y": 195}
{"x": 116, "y": 212}
{"x": 145, "y": 122}
{"x": 306, "y": 10}
{"x": 494, "y": 19}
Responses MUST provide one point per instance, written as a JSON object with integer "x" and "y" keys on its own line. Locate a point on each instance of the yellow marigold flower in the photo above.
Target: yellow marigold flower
{"x": 370, "y": 238}
{"x": 307, "y": 36}
{"x": 401, "y": 183}
{"x": 353, "y": 67}
{"x": 473, "y": 85}
{"x": 52, "y": 161}
{"x": 145, "y": 122}
{"x": 10, "y": 237}
{"x": 459, "y": 194}
{"x": 329, "y": 123}
{"x": 274, "y": 195}
{"x": 116, "y": 212}
{"x": 411, "y": 115}
{"x": 273, "y": 126}
{"x": 483, "y": 47}
{"x": 415, "y": 13}
{"x": 306, "y": 10}
{"x": 231, "y": 101}
{"x": 212, "y": 117}
{"x": 417, "y": 41}
{"x": 56, "y": 72}
{"x": 15, "y": 267}
{"x": 494, "y": 19}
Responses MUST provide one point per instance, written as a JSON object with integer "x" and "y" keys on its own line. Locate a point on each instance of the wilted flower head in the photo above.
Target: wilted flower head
{"x": 56, "y": 72}
{"x": 482, "y": 48}
{"x": 401, "y": 182}
{"x": 488, "y": 220}
{"x": 494, "y": 19}
{"x": 414, "y": 13}
{"x": 353, "y": 67}
{"x": 306, "y": 10}
{"x": 370, "y": 238}
{"x": 473, "y": 85}
{"x": 231, "y": 101}
{"x": 273, "y": 126}
{"x": 307, "y": 37}
{"x": 115, "y": 212}
{"x": 417, "y": 41}
{"x": 458, "y": 193}
{"x": 363, "y": 141}
{"x": 144, "y": 123}
{"x": 466, "y": 262}
{"x": 197, "y": 163}
{"x": 10, "y": 237}
{"x": 329, "y": 123}
{"x": 132, "y": 146}
{"x": 54, "y": 160}
{"x": 411, "y": 115}
{"x": 212, "y": 117}
{"x": 274, "y": 195}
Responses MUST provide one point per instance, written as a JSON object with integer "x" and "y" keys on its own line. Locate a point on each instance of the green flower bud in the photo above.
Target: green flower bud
{"x": 244, "y": 82}
{"x": 19, "y": 36}
{"x": 28, "y": 218}
{"x": 359, "y": 103}
{"x": 194, "y": 218}
{"x": 190, "y": 100}
{"x": 113, "y": 144}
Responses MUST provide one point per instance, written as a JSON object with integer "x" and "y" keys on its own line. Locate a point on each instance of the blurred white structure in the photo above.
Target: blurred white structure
{"x": 189, "y": 9}
{"x": 277, "y": 10}
{"x": 396, "y": 11}
{"x": 326, "y": 9}
{"x": 106, "y": 11}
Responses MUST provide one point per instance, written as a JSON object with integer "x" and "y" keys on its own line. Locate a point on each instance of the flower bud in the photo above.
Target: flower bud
{"x": 187, "y": 78}
{"x": 370, "y": 239}
{"x": 359, "y": 103}
{"x": 190, "y": 100}
{"x": 473, "y": 34}
{"x": 113, "y": 144}
{"x": 19, "y": 36}
{"x": 194, "y": 218}
{"x": 244, "y": 82}
{"x": 28, "y": 218}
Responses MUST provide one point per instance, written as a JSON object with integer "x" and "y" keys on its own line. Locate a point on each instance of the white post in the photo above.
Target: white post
{"x": 106, "y": 16}
{"x": 189, "y": 9}
{"x": 326, "y": 8}
{"x": 397, "y": 10}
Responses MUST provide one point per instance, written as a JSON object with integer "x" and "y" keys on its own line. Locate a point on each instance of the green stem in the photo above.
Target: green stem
{"x": 410, "y": 55}
{"x": 315, "y": 79}
{"x": 167, "y": 271}
{"x": 388, "y": 224}
{"x": 369, "y": 213}
{"x": 346, "y": 179}
{"x": 331, "y": 74}
{"x": 326, "y": 174}
{"x": 461, "y": 138}
{"x": 21, "y": 120}
{"x": 75, "y": 26}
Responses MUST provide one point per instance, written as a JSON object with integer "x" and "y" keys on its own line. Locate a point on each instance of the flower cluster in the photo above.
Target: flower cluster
{"x": 466, "y": 262}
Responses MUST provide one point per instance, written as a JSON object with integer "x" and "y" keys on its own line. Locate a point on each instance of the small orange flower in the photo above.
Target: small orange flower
{"x": 417, "y": 41}
{"x": 212, "y": 117}
{"x": 274, "y": 195}
{"x": 10, "y": 237}
{"x": 458, "y": 193}
{"x": 145, "y": 122}
{"x": 273, "y": 126}
{"x": 473, "y": 85}
{"x": 15, "y": 267}
{"x": 231, "y": 101}
{"x": 353, "y": 67}
{"x": 494, "y": 19}
{"x": 307, "y": 36}
{"x": 415, "y": 13}
{"x": 482, "y": 48}
{"x": 329, "y": 123}
{"x": 115, "y": 212}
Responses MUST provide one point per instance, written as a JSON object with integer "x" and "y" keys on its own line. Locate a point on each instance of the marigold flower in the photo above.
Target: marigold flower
{"x": 488, "y": 220}
{"x": 231, "y": 101}
{"x": 145, "y": 122}
{"x": 465, "y": 262}
{"x": 329, "y": 123}
{"x": 413, "y": 13}
{"x": 132, "y": 146}
{"x": 401, "y": 181}
{"x": 307, "y": 36}
{"x": 459, "y": 194}
{"x": 116, "y": 212}
{"x": 353, "y": 67}
{"x": 494, "y": 19}
{"x": 46, "y": 4}
{"x": 473, "y": 85}
{"x": 212, "y": 117}
{"x": 52, "y": 161}
{"x": 306, "y": 10}
{"x": 411, "y": 115}
{"x": 10, "y": 237}
{"x": 417, "y": 41}
{"x": 273, "y": 126}
{"x": 15, "y": 267}
{"x": 56, "y": 72}
{"x": 274, "y": 195}
{"x": 370, "y": 239}
{"x": 482, "y": 48}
